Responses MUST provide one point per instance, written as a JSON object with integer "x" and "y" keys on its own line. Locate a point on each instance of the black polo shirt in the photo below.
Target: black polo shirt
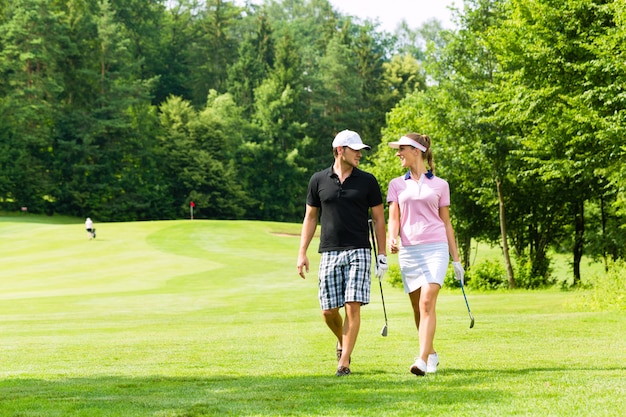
{"x": 344, "y": 208}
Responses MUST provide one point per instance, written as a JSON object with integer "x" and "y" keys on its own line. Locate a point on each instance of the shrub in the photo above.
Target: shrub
{"x": 450, "y": 281}
{"x": 609, "y": 290}
{"x": 486, "y": 275}
{"x": 394, "y": 276}
{"x": 530, "y": 276}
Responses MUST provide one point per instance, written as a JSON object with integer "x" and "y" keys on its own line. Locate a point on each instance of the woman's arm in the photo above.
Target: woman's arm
{"x": 394, "y": 226}
{"x": 444, "y": 214}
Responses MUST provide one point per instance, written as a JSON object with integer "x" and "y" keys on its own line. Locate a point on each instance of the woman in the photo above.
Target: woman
{"x": 419, "y": 212}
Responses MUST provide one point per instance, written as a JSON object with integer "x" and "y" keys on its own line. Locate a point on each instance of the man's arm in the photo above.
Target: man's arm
{"x": 309, "y": 224}
{"x": 378, "y": 216}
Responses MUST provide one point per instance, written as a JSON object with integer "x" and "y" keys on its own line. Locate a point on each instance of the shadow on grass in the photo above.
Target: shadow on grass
{"x": 38, "y": 218}
{"x": 356, "y": 395}
{"x": 375, "y": 393}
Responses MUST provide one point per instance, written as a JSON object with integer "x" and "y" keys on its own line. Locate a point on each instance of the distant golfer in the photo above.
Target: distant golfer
{"x": 343, "y": 195}
{"x": 91, "y": 231}
{"x": 419, "y": 211}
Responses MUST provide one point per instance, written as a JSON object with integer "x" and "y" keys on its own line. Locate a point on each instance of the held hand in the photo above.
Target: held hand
{"x": 459, "y": 272}
{"x": 381, "y": 266}
{"x": 393, "y": 246}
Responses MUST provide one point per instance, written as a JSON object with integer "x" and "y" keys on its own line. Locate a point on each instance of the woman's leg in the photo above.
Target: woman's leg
{"x": 428, "y": 319}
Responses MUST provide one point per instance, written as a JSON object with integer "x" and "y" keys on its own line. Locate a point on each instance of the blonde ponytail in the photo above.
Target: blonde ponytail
{"x": 424, "y": 140}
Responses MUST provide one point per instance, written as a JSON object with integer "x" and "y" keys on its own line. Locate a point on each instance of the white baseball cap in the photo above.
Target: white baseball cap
{"x": 350, "y": 139}
{"x": 405, "y": 140}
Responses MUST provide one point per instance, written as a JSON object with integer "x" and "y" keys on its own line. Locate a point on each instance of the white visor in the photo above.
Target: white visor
{"x": 405, "y": 140}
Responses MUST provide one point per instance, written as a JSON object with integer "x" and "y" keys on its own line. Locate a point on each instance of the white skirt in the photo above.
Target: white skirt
{"x": 422, "y": 264}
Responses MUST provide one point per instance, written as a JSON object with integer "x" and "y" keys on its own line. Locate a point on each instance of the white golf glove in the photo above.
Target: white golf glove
{"x": 381, "y": 266}
{"x": 459, "y": 272}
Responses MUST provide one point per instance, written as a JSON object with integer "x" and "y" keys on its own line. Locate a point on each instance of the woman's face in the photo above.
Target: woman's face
{"x": 407, "y": 155}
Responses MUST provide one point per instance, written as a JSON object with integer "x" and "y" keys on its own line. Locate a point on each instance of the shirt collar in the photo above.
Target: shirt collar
{"x": 429, "y": 174}
{"x": 331, "y": 172}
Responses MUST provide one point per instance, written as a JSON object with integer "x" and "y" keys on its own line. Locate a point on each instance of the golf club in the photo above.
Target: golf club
{"x": 383, "y": 332}
{"x": 467, "y": 304}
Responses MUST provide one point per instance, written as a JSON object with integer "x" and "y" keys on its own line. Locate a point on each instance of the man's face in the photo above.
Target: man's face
{"x": 350, "y": 156}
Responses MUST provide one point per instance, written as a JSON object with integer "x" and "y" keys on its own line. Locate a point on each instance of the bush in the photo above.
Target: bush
{"x": 486, "y": 275}
{"x": 394, "y": 276}
{"x": 609, "y": 290}
{"x": 450, "y": 281}
{"x": 530, "y": 276}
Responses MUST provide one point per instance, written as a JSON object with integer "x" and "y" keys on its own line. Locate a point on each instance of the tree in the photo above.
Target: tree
{"x": 552, "y": 98}
{"x": 402, "y": 76}
{"x": 272, "y": 151}
{"x": 32, "y": 40}
{"x": 335, "y": 94}
{"x": 255, "y": 60}
{"x": 212, "y": 48}
{"x": 98, "y": 137}
{"x": 476, "y": 146}
{"x": 194, "y": 143}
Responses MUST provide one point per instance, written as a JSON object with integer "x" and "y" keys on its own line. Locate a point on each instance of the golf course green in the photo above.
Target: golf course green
{"x": 210, "y": 318}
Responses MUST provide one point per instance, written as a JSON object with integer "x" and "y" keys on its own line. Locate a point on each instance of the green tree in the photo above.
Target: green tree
{"x": 276, "y": 177}
{"x": 255, "y": 60}
{"x": 193, "y": 143}
{"x": 474, "y": 147}
{"x": 99, "y": 136}
{"x": 155, "y": 41}
{"x": 369, "y": 48}
{"x": 402, "y": 76}
{"x": 335, "y": 97}
{"x": 608, "y": 69}
{"x": 175, "y": 37}
{"x": 32, "y": 40}
{"x": 212, "y": 47}
{"x": 558, "y": 101}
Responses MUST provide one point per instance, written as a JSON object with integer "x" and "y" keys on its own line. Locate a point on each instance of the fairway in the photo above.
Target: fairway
{"x": 209, "y": 318}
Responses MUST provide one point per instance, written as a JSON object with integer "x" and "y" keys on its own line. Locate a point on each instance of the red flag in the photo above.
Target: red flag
{"x": 192, "y": 204}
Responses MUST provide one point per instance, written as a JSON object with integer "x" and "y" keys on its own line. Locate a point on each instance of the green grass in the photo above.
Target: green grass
{"x": 209, "y": 318}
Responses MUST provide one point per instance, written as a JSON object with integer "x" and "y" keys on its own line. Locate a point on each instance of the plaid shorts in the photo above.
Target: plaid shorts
{"x": 344, "y": 277}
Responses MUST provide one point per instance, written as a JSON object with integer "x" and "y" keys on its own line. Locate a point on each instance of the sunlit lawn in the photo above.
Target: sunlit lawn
{"x": 208, "y": 318}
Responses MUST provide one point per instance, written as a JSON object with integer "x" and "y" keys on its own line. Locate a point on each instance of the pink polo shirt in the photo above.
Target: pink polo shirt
{"x": 419, "y": 203}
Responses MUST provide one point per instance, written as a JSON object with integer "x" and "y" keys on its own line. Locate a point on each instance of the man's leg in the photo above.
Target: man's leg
{"x": 335, "y": 323}
{"x": 351, "y": 327}
{"x": 357, "y": 292}
{"x": 331, "y": 293}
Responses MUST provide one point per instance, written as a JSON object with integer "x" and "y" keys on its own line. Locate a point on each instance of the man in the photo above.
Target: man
{"x": 342, "y": 197}
{"x": 91, "y": 232}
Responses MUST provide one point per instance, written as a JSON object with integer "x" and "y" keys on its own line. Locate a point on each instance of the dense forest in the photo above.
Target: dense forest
{"x": 131, "y": 109}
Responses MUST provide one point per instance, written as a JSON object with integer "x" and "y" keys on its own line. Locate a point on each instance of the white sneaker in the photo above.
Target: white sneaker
{"x": 431, "y": 364}
{"x": 419, "y": 367}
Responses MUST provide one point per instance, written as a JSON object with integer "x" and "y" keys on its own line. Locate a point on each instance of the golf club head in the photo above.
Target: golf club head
{"x": 472, "y": 322}
{"x": 383, "y": 332}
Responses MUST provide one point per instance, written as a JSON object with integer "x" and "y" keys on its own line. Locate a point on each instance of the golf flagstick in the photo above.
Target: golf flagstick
{"x": 467, "y": 304}
{"x": 383, "y": 332}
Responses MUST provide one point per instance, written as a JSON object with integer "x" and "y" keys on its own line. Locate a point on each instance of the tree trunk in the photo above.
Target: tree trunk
{"x": 603, "y": 217}
{"x": 466, "y": 249}
{"x": 579, "y": 224}
{"x": 505, "y": 245}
